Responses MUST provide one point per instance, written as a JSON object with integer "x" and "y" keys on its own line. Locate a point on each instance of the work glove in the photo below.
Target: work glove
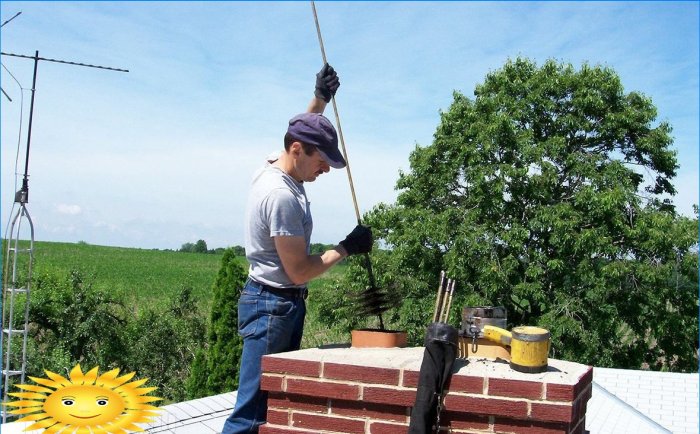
{"x": 327, "y": 83}
{"x": 358, "y": 241}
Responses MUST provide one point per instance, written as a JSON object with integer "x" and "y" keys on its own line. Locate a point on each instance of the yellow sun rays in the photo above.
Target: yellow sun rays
{"x": 87, "y": 403}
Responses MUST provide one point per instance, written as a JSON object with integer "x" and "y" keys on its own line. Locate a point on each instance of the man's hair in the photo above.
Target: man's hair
{"x": 288, "y": 140}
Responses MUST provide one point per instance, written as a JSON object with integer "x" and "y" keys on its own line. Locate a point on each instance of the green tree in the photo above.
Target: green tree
{"x": 215, "y": 370}
{"x": 71, "y": 320}
{"x": 318, "y": 248}
{"x": 187, "y": 248}
{"x": 162, "y": 343}
{"x": 548, "y": 194}
{"x": 239, "y": 250}
{"x": 200, "y": 247}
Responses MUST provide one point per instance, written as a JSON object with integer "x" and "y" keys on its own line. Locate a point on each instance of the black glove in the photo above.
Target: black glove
{"x": 358, "y": 241}
{"x": 327, "y": 83}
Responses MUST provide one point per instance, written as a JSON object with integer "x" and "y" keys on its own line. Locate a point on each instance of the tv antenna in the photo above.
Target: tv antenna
{"x": 20, "y": 255}
{"x": 3, "y": 25}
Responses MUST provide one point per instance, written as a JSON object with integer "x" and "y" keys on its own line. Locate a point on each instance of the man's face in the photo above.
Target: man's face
{"x": 309, "y": 167}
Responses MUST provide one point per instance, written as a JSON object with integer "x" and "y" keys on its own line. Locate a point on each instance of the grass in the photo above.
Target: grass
{"x": 141, "y": 276}
{"x": 153, "y": 277}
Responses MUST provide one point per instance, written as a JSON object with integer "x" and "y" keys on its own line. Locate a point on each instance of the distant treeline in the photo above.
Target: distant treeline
{"x": 201, "y": 247}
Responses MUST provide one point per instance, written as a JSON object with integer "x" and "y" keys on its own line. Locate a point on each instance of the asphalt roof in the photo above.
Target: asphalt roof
{"x": 623, "y": 401}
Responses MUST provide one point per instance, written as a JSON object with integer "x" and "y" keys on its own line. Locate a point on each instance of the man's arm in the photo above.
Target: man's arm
{"x": 317, "y": 105}
{"x": 299, "y": 266}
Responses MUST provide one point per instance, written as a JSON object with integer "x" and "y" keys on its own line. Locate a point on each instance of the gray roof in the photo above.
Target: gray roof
{"x": 198, "y": 416}
{"x": 623, "y": 401}
{"x": 636, "y": 402}
{"x": 204, "y": 415}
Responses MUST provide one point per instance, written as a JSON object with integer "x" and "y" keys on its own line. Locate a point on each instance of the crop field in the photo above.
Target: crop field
{"x": 140, "y": 275}
{"x": 152, "y": 277}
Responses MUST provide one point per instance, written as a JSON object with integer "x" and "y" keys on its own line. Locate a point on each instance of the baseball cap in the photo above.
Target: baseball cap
{"x": 315, "y": 129}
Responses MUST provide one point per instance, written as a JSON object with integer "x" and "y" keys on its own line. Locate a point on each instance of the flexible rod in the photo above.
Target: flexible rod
{"x": 337, "y": 120}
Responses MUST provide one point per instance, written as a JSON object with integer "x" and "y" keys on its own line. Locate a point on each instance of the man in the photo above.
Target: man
{"x": 278, "y": 228}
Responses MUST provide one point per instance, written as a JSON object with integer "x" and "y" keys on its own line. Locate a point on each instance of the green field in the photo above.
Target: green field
{"x": 152, "y": 277}
{"x": 141, "y": 276}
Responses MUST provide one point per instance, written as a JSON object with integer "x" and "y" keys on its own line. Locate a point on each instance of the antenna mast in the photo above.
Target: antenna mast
{"x": 20, "y": 254}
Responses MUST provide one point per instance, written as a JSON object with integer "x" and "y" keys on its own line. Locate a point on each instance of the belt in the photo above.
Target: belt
{"x": 295, "y": 291}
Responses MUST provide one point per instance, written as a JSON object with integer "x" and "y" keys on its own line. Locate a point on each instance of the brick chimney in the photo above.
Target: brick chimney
{"x": 372, "y": 390}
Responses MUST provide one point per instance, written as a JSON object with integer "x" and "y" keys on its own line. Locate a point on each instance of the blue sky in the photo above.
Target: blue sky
{"x": 163, "y": 155}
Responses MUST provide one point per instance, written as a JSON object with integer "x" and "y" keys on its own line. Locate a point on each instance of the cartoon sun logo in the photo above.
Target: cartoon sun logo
{"x": 86, "y": 403}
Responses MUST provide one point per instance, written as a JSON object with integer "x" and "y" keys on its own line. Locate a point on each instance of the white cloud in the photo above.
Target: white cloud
{"x": 63, "y": 208}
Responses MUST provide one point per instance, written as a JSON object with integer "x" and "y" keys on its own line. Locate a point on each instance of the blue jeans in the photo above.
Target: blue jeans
{"x": 268, "y": 323}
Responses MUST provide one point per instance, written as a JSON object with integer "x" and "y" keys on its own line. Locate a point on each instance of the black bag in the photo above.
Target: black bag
{"x": 435, "y": 371}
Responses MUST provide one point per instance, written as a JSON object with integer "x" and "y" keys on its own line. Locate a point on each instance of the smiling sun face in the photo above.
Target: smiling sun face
{"x": 87, "y": 402}
{"x": 84, "y": 405}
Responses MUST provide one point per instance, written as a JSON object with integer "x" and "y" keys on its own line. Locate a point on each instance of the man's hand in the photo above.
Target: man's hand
{"x": 358, "y": 241}
{"x": 327, "y": 83}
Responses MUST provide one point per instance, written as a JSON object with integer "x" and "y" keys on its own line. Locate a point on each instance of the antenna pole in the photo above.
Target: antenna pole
{"x": 22, "y": 196}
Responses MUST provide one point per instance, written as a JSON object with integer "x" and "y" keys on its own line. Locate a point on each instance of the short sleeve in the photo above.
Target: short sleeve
{"x": 284, "y": 213}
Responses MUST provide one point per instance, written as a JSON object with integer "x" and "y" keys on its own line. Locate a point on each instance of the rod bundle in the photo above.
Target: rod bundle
{"x": 443, "y": 302}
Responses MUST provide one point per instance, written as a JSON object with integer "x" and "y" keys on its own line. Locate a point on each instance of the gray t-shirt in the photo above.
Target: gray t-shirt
{"x": 277, "y": 206}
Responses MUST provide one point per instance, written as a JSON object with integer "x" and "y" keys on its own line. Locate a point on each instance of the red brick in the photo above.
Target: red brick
{"x": 276, "y": 429}
{"x": 387, "y": 428}
{"x": 584, "y": 380}
{"x": 319, "y": 422}
{"x": 464, "y": 421}
{"x": 323, "y": 389}
{"x": 385, "y": 395}
{"x": 278, "y": 365}
{"x": 297, "y": 402}
{"x": 410, "y": 379}
{"x": 560, "y": 392}
{"x": 272, "y": 383}
{"x": 569, "y": 392}
{"x": 278, "y": 417}
{"x": 466, "y": 384}
{"x": 515, "y": 388}
{"x": 552, "y": 412}
{"x": 489, "y": 406}
{"x": 529, "y": 427}
{"x": 365, "y": 374}
{"x": 369, "y": 410}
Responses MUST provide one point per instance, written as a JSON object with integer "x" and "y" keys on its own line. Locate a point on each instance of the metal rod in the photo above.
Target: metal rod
{"x": 438, "y": 299}
{"x": 446, "y": 296}
{"x": 16, "y": 15}
{"x": 23, "y": 196}
{"x": 6, "y": 95}
{"x": 63, "y": 61}
{"x": 449, "y": 302}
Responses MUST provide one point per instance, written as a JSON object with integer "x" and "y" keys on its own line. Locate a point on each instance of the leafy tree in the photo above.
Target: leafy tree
{"x": 162, "y": 343}
{"x": 200, "y": 247}
{"x": 187, "y": 248}
{"x": 71, "y": 320}
{"x": 238, "y": 250}
{"x": 216, "y": 370}
{"x": 548, "y": 194}
{"x": 317, "y": 248}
